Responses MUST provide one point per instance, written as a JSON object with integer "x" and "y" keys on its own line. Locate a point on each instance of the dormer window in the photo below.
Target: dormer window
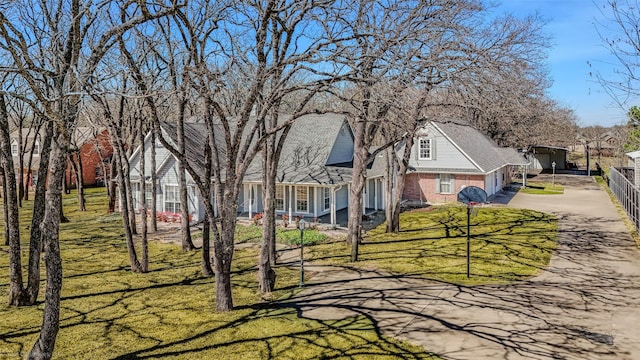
{"x": 424, "y": 149}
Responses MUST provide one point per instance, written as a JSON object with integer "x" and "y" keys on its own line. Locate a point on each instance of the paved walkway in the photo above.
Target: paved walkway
{"x": 585, "y": 306}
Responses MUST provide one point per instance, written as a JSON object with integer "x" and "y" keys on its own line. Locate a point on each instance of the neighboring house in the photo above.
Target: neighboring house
{"x": 606, "y": 145}
{"x": 95, "y": 149}
{"x": 313, "y": 174}
{"x": 633, "y": 167}
{"x": 542, "y": 157}
{"x": 450, "y": 155}
{"x": 24, "y": 141}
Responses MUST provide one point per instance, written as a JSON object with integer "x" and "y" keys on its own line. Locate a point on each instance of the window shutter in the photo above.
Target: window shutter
{"x": 437, "y": 183}
{"x": 453, "y": 184}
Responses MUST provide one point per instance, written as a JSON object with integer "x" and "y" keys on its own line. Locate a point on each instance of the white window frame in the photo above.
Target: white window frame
{"x": 429, "y": 148}
{"x": 36, "y": 148}
{"x": 279, "y": 195}
{"x": 176, "y": 202}
{"x": 148, "y": 196}
{"x": 326, "y": 198}
{"x": 297, "y": 200}
{"x": 14, "y": 149}
{"x": 446, "y": 180}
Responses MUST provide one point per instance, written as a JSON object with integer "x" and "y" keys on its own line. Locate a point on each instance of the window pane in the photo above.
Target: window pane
{"x": 445, "y": 183}
{"x": 279, "y": 201}
{"x": 171, "y": 198}
{"x": 302, "y": 202}
{"x": 327, "y": 198}
{"x": 425, "y": 149}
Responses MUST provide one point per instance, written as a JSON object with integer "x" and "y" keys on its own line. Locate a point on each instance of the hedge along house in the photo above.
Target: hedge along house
{"x": 450, "y": 155}
{"x": 313, "y": 177}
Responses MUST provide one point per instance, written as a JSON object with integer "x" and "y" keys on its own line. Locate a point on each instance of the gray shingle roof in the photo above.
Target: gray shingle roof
{"x": 195, "y": 138}
{"x": 305, "y": 153}
{"x": 478, "y": 147}
{"x": 304, "y": 157}
{"x": 512, "y": 157}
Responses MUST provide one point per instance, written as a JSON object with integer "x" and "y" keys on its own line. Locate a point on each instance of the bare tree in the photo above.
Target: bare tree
{"x": 237, "y": 85}
{"x": 16, "y": 290}
{"x": 120, "y": 127}
{"x": 377, "y": 46}
{"x": 144, "y": 265}
{"x": 619, "y": 32}
{"x": 56, "y": 71}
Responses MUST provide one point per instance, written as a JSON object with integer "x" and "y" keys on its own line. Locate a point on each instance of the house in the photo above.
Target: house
{"x": 93, "y": 145}
{"x": 542, "y": 157}
{"x": 633, "y": 167}
{"x": 313, "y": 176}
{"x": 95, "y": 150}
{"x": 606, "y": 145}
{"x": 26, "y": 142}
{"x": 450, "y": 155}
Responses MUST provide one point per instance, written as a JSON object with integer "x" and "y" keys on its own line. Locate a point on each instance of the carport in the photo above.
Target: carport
{"x": 543, "y": 156}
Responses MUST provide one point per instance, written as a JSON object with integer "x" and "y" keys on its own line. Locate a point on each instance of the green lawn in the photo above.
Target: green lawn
{"x": 506, "y": 245}
{"x": 109, "y": 312}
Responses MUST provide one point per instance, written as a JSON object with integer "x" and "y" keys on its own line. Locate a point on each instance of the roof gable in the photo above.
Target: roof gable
{"x": 473, "y": 144}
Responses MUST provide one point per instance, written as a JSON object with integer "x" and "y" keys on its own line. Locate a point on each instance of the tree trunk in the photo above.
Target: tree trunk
{"x": 223, "y": 250}
{"x": 44, "y": 346}
{"x": 205, "y": 190}
{"x": 355, "y": 195}
{"x": 29, "y": 180}
{"x": 144, "y": 266}
{"x": 267, "y": 276}
{"x": 187, "y": 242}
{"x": 21, "y": 184}
{"x": 5, "y": 207}
{"x": 80, "y": 184}
{"x": 128, "y": 193}
{"x": 126, "y": 223}
{"x": 206, "y": 248}
{"x": 112, "y": 185}
{"x": 390, "y": 206}
{"x": 74, "y": 160}
{"x": 39, "y": 205}
{"x": 154, "y": 184}
{"x": 16, "y": 290}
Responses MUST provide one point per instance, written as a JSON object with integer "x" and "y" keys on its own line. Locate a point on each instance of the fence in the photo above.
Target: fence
{"x": 622, "y": 187}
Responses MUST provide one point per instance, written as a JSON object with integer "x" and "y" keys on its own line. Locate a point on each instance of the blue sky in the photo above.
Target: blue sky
{"x": 575, "y": 44}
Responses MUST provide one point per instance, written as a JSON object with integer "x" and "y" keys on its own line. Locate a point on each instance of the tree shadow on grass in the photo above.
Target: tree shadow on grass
{"x": 566, "y": 312}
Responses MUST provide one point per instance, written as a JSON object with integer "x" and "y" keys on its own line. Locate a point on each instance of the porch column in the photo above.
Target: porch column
{"x": 315, "y": 201}
{"x": 375, "y": 194}
{"x": 290, "y": 203}
{"x": 250, "y": 202}
{"x": 524, "y": 176}
{"x": 333, "y": 207}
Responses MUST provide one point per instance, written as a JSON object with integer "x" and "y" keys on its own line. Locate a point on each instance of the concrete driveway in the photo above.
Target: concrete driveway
{"x": 585, "y": 306}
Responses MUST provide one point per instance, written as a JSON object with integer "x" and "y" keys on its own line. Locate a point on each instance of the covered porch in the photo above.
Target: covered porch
{"x": 328, "y": 203}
